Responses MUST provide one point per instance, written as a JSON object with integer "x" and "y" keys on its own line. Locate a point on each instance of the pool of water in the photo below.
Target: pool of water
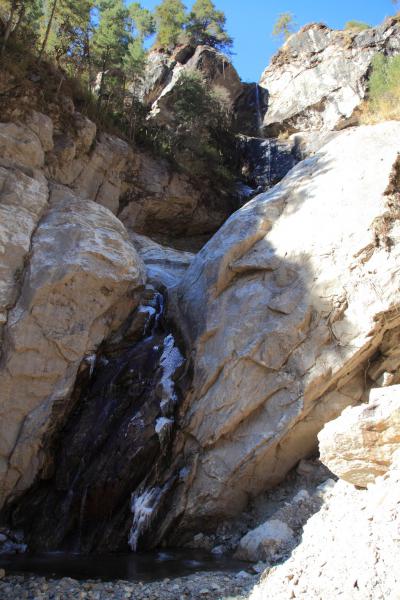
{"x": 146, "y": 566}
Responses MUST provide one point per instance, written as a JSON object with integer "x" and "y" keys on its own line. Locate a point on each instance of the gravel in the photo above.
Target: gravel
{"x": 203, "y": 586}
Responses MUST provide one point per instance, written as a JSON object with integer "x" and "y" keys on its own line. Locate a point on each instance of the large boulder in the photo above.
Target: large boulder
{"x": 319, "y": 77}
{"x": 283, "y": 311}
{"x": 78, "y": 287}
{"x": 266, "y": 542}
{"x": 359, "y": 445}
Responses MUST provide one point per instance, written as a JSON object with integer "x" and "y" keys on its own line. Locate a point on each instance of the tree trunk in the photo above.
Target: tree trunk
{"x": 46, "y": 35}
{"x": 20, "y": 18}
{"x": 9, "y": 26}
{"x": 101, "y": 88}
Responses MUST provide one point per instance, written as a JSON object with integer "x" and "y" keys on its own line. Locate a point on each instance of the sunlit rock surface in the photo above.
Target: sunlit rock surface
{"x": 358, "y": 446}
{"x": 78, "y": 286}
{"x": 283, "y": 310}
{"x": 319, "y": 77}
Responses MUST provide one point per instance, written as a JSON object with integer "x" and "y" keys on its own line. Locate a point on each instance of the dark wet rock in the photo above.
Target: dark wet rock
{"x": 114, "y": 445}
{"x": 265, "y": 162}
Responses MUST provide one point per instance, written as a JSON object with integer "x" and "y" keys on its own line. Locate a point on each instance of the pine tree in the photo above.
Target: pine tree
{"x": 207, "y": 25}
{"x": 284, "y": 26}
{"x": 170, "y": 18}
{"x": 110, "y": 42}
{"x": 19, "y": 11}
{"x": 143, "y": 21}
{"x": 69, "y": 35}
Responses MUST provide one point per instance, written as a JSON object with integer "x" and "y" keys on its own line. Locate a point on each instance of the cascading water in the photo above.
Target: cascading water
{"x": 258, "y": 109}
{"x": 104, "y": 487}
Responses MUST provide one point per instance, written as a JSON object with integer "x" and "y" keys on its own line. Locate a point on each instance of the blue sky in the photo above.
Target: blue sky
{"x": 250, "y": 23}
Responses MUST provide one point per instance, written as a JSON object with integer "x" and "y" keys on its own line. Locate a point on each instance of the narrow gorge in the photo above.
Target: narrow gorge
{"x": 194, "y": 364}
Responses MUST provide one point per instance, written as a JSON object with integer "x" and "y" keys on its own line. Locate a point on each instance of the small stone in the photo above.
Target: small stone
{"x": 243, "y": 575}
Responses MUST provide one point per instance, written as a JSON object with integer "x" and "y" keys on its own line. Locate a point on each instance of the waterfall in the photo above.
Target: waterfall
{"x": 258, "y": 110}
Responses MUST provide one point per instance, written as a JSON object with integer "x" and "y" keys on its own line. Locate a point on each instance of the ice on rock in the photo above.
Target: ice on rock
{"x": 91, "y": 361}
{"x": 163, "y": 428}
{"x": 142, "y": 509}
{"x": 163, "y": 423}
{"x": 171, "y": 359}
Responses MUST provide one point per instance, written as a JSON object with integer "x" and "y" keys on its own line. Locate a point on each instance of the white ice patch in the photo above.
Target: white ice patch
{"x": 163, "y": 428}
{"x": 147, "y": 310}
{"x": 142, "y": 508}
{"x": 171, "y": 359}
{"x": 91, "y": 361}
{"x": 163, "y": 423}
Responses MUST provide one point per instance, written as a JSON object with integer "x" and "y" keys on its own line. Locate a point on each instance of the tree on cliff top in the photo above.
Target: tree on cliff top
{"x": 170, "y": 17}
{"x": 284, "y": 26}
{"x": 207, "y": 25}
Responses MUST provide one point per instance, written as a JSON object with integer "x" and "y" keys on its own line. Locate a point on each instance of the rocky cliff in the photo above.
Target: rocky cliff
{"x": 177, "y": 387}
{"x": 318, "y": 79}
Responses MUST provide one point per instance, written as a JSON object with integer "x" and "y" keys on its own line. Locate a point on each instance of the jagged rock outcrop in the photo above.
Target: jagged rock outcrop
{"x": 247, "y": 102}
{"x": 75, "y": 274}
{"x": 350, "y": 547}
{"x": 359, "y": 445}
{"x": 283, "y": 311}
{"x": 319, "y": 77}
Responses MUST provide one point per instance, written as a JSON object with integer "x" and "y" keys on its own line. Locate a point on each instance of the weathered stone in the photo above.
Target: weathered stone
{"x": 319, "y": 77}
{"x": 19, "y": 144}
{"x": 164, "y": 265}
{"x": 23, "y": 198}
{"x": 42, "y": 126}
{"x": 99, "y": 175}
{"x": 359, "y": 445}
{"x": 162, "y": 201}
{"x": 266, "y": 542}
{"x": 77, "y": 288}
{"x": 282, "y": 311}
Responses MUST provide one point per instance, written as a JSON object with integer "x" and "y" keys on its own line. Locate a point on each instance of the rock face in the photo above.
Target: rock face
{"x": 23, "y": 199}
{"x": 265, "y": 162}
{"x": 319, "y": 77}
{"x": 213, "y": 66}
{"x": 283, "y": 310}
{"x": 350, "y": 548}
{"x": 68, "y": 278}
{"x": 164, "y": 266}
{"x": 159, "y": 201}
{"x": 100, "y": 491}
{"x": 77, "y": 288}
{"x": 359, "y": 445}
{"x": 247, "y": 101}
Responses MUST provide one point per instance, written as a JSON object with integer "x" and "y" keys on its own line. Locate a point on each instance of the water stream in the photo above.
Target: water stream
{"x": 142, "y": 566}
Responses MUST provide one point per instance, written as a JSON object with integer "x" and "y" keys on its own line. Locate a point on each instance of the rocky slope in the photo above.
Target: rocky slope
{"x": 350, "y": 548}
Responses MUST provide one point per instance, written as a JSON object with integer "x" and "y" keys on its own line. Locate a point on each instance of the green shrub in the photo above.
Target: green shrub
{"x": 383, "y": 90}
{"x": 356, "y": 26}
{"x": 201, "y": 141}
